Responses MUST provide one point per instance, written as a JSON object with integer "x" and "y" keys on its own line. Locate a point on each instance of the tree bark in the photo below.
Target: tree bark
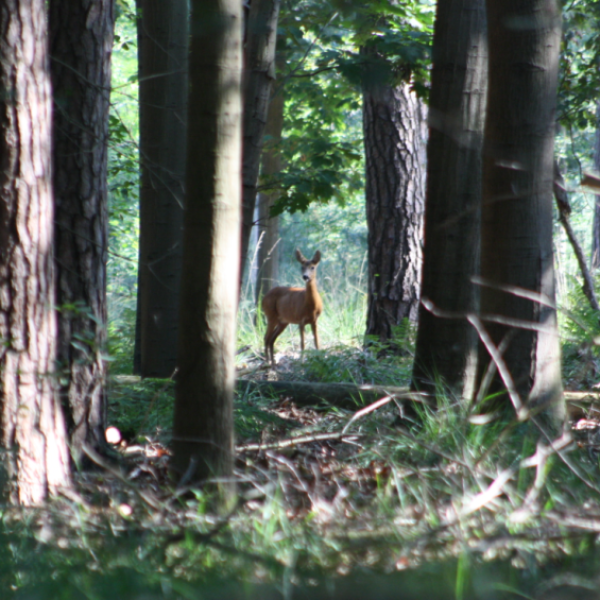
{"x": 446, "y": 349}
{"x": 35, "y": 456}
{"x": 81, "y": 36}
{"x": 595, "y": 262}
{"x": 394, "y": 138}
{"x": 259, "y": 74}
{"x": 268, "y": 227}
{"x": 516, "y": 252}
{"x": 203, "y": 420}
{"x": 162, "y": 53}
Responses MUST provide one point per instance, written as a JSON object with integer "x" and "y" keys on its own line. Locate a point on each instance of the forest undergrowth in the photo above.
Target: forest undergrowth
{"x": 332, "y": 503}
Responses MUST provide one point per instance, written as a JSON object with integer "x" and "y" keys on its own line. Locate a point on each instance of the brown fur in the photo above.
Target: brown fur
{"x": 285, "y": 305}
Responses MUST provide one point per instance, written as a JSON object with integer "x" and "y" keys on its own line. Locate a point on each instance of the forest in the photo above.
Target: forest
{"x": 186, "y": 186}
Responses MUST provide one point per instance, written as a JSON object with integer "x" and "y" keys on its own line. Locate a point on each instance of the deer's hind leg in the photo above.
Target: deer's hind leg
{"x": 273, "y": 332}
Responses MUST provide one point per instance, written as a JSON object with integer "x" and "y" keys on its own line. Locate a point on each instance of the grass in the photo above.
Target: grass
{"x": 444, "y": 509}
{"x": 428, "y": 508}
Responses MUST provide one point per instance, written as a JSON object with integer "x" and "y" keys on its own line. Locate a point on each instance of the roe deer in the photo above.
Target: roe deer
{"x": 285, "y": 305}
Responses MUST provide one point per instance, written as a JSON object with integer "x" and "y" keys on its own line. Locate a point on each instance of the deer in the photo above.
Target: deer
{"x": 300, "y": 306}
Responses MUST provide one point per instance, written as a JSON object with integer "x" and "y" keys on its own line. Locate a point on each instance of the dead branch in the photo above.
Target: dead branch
{"x": 564, "y": 209}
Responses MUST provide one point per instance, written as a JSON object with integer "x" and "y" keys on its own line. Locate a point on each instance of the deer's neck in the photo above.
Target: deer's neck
{"x": 312, "y": 295}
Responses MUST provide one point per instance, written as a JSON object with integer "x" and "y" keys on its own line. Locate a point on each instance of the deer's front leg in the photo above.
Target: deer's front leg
{"x": 315, "y": 334}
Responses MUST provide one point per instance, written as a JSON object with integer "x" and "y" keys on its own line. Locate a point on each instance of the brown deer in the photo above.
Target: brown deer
{"x": 285, "y": 305}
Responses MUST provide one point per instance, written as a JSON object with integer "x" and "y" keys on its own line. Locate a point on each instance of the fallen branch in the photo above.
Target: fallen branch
{"x": 340, "y": 395}
{"x": 291, "y": 442}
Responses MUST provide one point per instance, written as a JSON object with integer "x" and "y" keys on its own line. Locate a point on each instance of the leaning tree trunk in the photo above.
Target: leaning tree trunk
{"x": 268, "y": 226}
{"x": 35, "y": 455}
{"x": 203, "y": 421}
{"x": 162, "y": 53}
{"x": 259, "y": 74}
{"x": 80, "y": 48}
{"x": 517, "y": 267}
{"x": 394, "y": 138}
{"x": 446, "y": 348}
{"x": 595, "y": 263}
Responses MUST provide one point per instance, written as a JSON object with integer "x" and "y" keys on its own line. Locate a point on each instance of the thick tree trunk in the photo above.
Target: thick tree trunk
{"x": 203, "y": 421}
{"x": 394, "y": 137}
{"x": 446, "y": 349}
{"x": 162, "y": 52}
{"x": 595, "y": 262}
{"x": 268, "y": 227}
{"x": 259, "y": 74}
{"x": 516, "y": 249}
{"x": 35, "y": 455}
{"x": 80, "y": 48}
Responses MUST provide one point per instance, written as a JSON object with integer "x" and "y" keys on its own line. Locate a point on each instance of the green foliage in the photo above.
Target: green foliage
{"x": 343, "y": 364}
{"x": 579, "y": 87}
{"x": 141, "y": 408}
{"x": 580, "y": 331}
{"x": 123, "y": 179}
{"x": 325, "y": 69}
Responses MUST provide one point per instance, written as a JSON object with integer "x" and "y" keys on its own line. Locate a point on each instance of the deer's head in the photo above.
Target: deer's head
{"x": 309, "y": 267}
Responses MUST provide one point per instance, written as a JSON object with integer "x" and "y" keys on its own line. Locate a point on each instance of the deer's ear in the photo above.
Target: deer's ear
{"x": 299, "y": 256}
{"x": 316, "y": 257}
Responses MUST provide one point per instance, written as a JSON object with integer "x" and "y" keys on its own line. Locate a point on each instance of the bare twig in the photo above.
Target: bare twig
{"x": 290, "y": 442}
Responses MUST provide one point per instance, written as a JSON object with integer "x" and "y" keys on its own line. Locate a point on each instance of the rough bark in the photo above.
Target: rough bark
{"x": 35, "y": 456}
{"x": 516, "y": 239}
{"x": 595, "y": 262}
{"x": 162, "y": 54}
{"x": 203, "y": 420}
{"x": 446, "y": 349}
{"x": 81, "y": 36}
{"x": 394, "y": 138}
{"x": 259, "y": 74}
{"x": 268, "y": 227}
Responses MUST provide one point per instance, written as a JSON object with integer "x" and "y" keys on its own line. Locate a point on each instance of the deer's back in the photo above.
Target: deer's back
{"x": 289, "y": 305}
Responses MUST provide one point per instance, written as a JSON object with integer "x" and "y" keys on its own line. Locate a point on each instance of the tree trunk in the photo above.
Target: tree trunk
{"x": 35, "y": 455}
{"x": 516, "y": 247}
{"x": 446, "y": 349}
{"x": 595, "y": 263}
{"x": 394, "y": 138}
{"x": 203, "y": 420}
{"x": 259, "y": 74}
{"x": 162, "y": 52}
{"x": 268, "y": 227}
{"x": 80, "y": 48}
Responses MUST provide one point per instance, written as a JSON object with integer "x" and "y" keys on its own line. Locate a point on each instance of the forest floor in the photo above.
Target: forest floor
{"x": 332, "y": 503}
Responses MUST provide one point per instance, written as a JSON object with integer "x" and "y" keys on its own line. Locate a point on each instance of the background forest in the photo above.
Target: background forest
{"x": 426, "y": 449}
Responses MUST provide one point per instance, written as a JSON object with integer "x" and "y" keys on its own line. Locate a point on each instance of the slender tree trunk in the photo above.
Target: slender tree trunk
{"x": 394, "y": 138}
{"x": 162, "y": 52}
{"x": 268, "y": 227}
{"x": 595, "y": 262}
{"x": 259, "y": 74}
{"x": 35, "y": 456}
{"x": 446, "y": 348}
{"x": 516, "y": 249}
{"x": 203, "y": 421}
{"x": 80, "y": 48}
